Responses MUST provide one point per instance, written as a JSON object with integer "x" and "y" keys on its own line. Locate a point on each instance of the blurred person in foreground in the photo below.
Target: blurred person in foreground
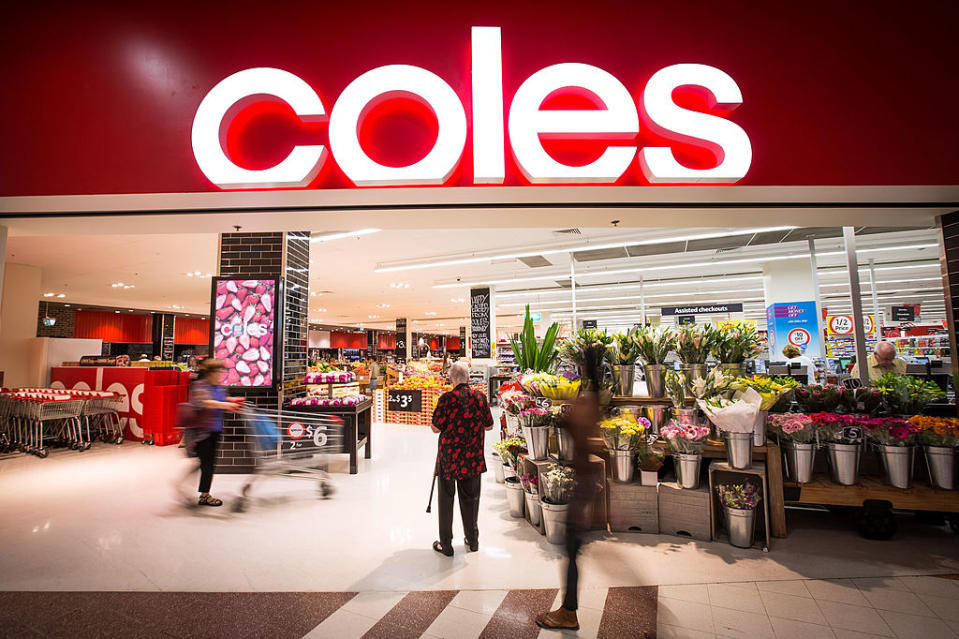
{"x": 462, "y": 417}
{"x": 584, "y": 427}
{"x": 883, "y": 360}
{"x": 202, "y": 437}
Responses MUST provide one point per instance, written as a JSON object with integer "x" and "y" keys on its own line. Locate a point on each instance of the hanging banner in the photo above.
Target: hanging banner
{"x": 793, "y": 324}
{"x": 702, "y": 309}
{"x": 842, "y": 325}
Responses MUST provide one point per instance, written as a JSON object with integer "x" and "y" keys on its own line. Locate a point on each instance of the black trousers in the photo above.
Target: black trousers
{"x": 469, "y": 498}
{"x": 206, "y": 452}
{"x": 574, "y": 542}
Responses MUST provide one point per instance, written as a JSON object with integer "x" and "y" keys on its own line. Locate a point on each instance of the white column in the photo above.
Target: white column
{"x": 18, "y": 330}
{"x": 814, "y": 270}
{"x": 876, "y": 315}
{"x": 790, "y": 282}
{"x": 852, "y": 266}
{"x": 572, "y": 287}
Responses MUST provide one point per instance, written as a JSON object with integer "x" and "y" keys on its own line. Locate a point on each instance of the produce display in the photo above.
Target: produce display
{"x": 332, "y": 377}
{"x": 423, "y": 382}
{"x": 351, "y": 400}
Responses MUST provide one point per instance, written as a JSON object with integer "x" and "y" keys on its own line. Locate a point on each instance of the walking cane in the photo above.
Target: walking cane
{"x": 436, "y": 467}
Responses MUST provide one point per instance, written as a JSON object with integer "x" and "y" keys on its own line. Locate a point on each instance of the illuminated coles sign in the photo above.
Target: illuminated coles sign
{"x": 244, "y": 313}
{"x": 614, "y": 116}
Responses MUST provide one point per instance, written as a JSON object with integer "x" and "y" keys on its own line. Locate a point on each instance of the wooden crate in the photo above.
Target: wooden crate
{"x": 632, "y": 507}
{"x": 684, "y": 512}
{"x": 722, "y": 472}
{"x": 599, "y": 504}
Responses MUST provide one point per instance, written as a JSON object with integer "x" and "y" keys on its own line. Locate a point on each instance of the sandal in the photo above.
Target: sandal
{"x": 559, "y": 619}
{"x": 208, "y": 500}
{"x": 438, "y": 547}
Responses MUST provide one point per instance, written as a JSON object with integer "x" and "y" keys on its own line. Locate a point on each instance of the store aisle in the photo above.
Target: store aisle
{"x": 106, "y": 520}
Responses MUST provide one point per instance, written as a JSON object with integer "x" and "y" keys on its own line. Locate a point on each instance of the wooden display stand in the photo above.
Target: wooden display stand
{"x": 632, "y": 507}
{"x": 685, "y": 512}
{"x": 599, "y": 503}
{"x": 722, "y": 472}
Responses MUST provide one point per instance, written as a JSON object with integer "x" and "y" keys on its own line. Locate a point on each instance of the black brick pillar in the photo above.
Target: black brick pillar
{"x": 949, "y": 262}
{"x": 256, "y": 255}
{"x": 163, "y": 335}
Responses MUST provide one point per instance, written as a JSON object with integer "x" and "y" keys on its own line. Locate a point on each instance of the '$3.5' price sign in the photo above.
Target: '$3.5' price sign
{"x": 405, "y": 401}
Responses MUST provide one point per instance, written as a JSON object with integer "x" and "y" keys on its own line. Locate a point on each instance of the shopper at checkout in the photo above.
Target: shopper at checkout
{"x": 795, "y": 356}
{"x": 461, "y": 418}
{"x": 883, "y": 360}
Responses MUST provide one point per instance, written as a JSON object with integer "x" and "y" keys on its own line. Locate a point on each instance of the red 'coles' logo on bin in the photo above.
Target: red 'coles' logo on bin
{"x": 295, "y": 430}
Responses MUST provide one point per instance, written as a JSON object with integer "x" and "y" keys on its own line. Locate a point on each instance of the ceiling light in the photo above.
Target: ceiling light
{"x": 579, "y": 247}
{"x": 430, "y": 313}
{"x": 373, "y": 316}
{"x": 455, "y": 300}
{"x": 399, "y": 285}
{"x": 67, "y": 305}
{"x": 339, "y": 236}
{"x": 382, "y": 306}
{"x": 61, "y": 295}
{"x": 48, "y": 294}
{"x": 116, "y": 311}
{"x": 319, "y": 310}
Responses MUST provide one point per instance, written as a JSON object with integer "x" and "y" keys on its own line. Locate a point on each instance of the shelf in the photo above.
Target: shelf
{"x": 920, "y": 497}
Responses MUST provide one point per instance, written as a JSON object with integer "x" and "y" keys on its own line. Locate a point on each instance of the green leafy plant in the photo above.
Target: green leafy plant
{"x": 575, "y": 348}
{"x": 735, "y": 342}
{"x": 654, "y": 344}
{"x": 905, "y": 394}
{"x": 677, "y": 387}
{"x": 623, "y": 351}
{"x": 529, "y": 355}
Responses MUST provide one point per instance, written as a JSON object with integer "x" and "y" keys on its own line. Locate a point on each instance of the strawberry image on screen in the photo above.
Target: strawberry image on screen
{"x": 243, "y": 319}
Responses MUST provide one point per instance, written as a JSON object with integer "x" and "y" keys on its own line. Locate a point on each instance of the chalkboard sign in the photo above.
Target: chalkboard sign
{"x": 401, "y": 339}
{"x": 480, "y": 320}
{"x": 686, "y": 319}
{"x": 590, "y": 323}
{"x": 405, "y": 401}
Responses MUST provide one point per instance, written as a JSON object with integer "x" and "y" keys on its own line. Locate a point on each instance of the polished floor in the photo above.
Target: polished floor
{"x": 106, "y": 520}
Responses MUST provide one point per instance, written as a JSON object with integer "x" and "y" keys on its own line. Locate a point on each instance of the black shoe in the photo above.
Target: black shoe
{"x": 473, "y": 547}
{"x": 438, "y": 547}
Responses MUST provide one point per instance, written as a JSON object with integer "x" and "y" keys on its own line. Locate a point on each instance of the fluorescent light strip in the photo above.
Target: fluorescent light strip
{"x": 616, "y": 287}
{"x": 589, "y": 300}
{"x": 581, "y": 247}
{"x": 582, "y": 309}
{"x": 340, "y": 236}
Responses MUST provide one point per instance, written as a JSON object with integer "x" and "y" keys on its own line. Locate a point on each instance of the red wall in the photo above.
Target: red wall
{"x": 114, "y": 327}
{"x": 187, "y": 330}
{"x": 452, "y": 343}
{"x": 386, "y": 341}
{"x": 834, "y": 92}
{"x": 347, "y": 340}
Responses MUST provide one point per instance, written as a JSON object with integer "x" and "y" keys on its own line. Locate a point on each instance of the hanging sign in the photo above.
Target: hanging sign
{"x": 480, "y": 323}
{"x": 685, "y": 319}
{"x": 462, "y": 341}
{"x": 843, "y": 325}
{"x": 904, "y": 313}
{"x": 793, "y": 323}
{"x": 401, "y": 345}
{"x": 702, "y": 309}
{"x": 590, "y": 323}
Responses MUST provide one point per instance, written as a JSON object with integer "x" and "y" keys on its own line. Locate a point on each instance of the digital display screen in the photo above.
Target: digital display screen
{"x": 244, "y": 313}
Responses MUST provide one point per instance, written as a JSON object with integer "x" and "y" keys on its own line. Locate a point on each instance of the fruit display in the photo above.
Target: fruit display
{"x": 350, "y": 400}
{"x": 334, "y": 377}
{"x": 423, "y": 382}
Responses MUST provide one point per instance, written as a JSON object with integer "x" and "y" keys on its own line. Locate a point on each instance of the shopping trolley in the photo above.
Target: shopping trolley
{"x": 291, "y": 444}
{"x": 32, "y": 419}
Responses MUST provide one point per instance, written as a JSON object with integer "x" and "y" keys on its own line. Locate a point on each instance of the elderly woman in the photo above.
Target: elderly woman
{"x": 461, "y": 418}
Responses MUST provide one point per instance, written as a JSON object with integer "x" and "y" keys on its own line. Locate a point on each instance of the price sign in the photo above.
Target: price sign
{"x": 295, "y": 430}
{"x": 306, "y": 435}
{"x": 799, "y": 337}
{"x": 852, "y": 433}
{"x": 405, "y": 401}
{"x": 840, "y": 324}
{"x": 544, "y": 402}
{"x": 651, "y": 438}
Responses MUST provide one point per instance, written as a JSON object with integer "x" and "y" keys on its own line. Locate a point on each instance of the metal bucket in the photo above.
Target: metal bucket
{"x": 733, "y": 370}
{"x": 687, "y": 470}
{"x": 554, "y": 520}
{"x": 692, "y": 371}
{"x": 564, "y": 444}
{"x": 799, "y": 461}
{"x": 537, "y": 441}
{"x": 508, "y": 471}
{"x": 941, "y": 462}
{"x": 655, "y": 380}
{"x": 512, "y": 424}
{"x": 623, "y": 462}
{"x": 759, "y": 428}
{"x": 688, "y": 416}
{"x": 741, "y": 525}
{"x": 534, "y": 508}
{"x": 497, "y": 463}
{"x": 625, "y": 375}
{"x": 739, "y": 449}
{"x": 658, "y": 416}
{"x": 898, "y": 462}
{"x": 514, "y": 497}
{"x": 844, "y": 463}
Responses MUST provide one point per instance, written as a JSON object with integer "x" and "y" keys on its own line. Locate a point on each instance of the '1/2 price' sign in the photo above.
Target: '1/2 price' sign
{"x": 405, "y": 401}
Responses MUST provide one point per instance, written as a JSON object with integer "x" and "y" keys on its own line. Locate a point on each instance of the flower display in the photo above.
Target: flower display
{"x": 624, "y": 432}
{"x": 510, "y": 449}
{"x": 817, "y": 398}
{"x": 861, "y": 400}
{"x": 736, "y": 342}
{"x": 842, "y": 429}
{"x": 937, "y": 431}
{"x": 560, "y": 388}
{"x": 769, "y": 389}
{"x": 905, "y": 394}
{"x": 731, "y": 416}
{"x": 891, "y": 431}
{"x": 685, "y": 439}
{"x": 514, "y": 402}
{"x": 794, "y": 427}
{"x": 744, "y": 496}
{"x": 530, "y": 482}
{"x": 623, "y": 351}
{"x": 694, "y": 343}
{"x": 677, "y": 388}
{"x": 534, "y": 416}
{"x": 331, "y": 377}
{"x": 715, "y": 384}
{"x": 558, "y": 484}
{"x": 654, "y": 344}
{"x": 348, "y": 400}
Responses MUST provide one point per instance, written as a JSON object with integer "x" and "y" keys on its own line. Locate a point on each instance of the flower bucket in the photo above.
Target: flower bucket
{"x": 759, "y": 428}
{"x": 687, "y": 470}
{"x": 799, "y": 461}
{"x": 497, "y": 463}
{"x": 514, "y": 497}
{"x": 554, "y": 520}
{"x": 739, "y": 449}
{"x": 537, "y": 441}
{"x": 898, "y": 462}
{"x": 733, "y": 370}
{"x": 844, "y": 463}
{"x": 655, "y": 380}
{"x": 688, "y": 416}
{"x": 564, "y": 444}
{"x": 623, "y": 462}
{"x": 625, "y": 375}
{"x": 692, "y": 371}
{"x": 741, "y": 525}
{"x": 508, "y": 471}
{"x": 657, "y": 416}
{"x": 512, "y": 424}
{"x": 941, "y": 462}
{"x": 534, "y": 508}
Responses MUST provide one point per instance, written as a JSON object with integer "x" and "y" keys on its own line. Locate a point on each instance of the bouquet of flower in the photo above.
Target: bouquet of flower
{"x": 768, "y": 388}
{"x": 861, "y": 400}
{"x": 736, "y": 416}
{"x": 534, "y": 417}
{"x": 715, "y": 384}
{"x": 937, "y": 431}
{"x": 905, "y": 394}
{"x": 744, "y": 496}
{"x": 794, "y": 427}
{"x": 510, "y": 449}
{"x": 574, "y": 349}
{"x": 623, "y": 350}
{"x": 677, "y": 389}
{"x": 515, "y": 402}
{"x": 687, "y": 439}
{"x": 654, "y": 344}
{"x": 789, "y": 385}
{"x": 693, "y": 344}
{"x": 624, "y": 432}
{"x": 530, "y": 482}
{"x": 561, "y": 388}
{"x": 736, "y": 342}
{"x": 891, "y": 431}
{"x": 816, "y": 398}
{"x": 533, "y": 382}
{"x": 558, "y": 484}
{"x": 842, "y": 429}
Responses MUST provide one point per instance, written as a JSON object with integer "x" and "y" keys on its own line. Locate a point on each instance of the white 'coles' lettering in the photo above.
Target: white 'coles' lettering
{"x": 615, "y": 118}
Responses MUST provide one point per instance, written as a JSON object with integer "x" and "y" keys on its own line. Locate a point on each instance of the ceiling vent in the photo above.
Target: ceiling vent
{"x": 568, "y": 232}
{"x": 535, "y": 261}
